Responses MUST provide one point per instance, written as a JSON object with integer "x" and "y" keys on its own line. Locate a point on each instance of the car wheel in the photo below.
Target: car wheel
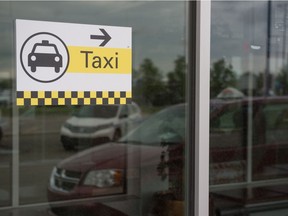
{"x": 57, "y": 69}
{"x": 117, "y": 135}
{"x": 68, "y": 147}
{"x": 33, "y": 68}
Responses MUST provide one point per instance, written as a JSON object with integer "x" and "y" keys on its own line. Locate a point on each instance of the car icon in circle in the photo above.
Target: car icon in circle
{"x": 45, "y": 54}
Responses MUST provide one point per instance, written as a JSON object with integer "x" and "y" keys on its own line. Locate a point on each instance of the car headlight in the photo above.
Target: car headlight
{"x": 104, "y": 178}
{"x": 57, "y": 59}
{"x": 52, "y": 180}
{"x": 33, "y": 58}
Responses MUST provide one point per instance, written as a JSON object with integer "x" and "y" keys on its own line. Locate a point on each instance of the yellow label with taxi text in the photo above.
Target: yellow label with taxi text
{"x": 99, "y": 60}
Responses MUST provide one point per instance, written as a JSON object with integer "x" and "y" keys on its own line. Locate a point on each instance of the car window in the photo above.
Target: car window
{"x": 230, "y": 119}
{"x": 282, "y": 120}
{"x": 276, "y": 116}
{"x": 45, "y": 49}
{"x": 166, "y": 126}
{"x": 103, "y": 111}
{"x": 273, "y": 114}
{"x": 124, "y": 111}
{"x": 226, "y": 128}
{"x": 133, "y": 109}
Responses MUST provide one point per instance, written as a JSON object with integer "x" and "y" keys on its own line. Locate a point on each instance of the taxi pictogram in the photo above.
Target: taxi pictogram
{"x": 45, "y": 54}
{"x": 44, "y": 57}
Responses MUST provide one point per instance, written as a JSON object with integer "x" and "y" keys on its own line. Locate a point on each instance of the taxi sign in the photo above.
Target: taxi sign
{"x": 72, "y": 64}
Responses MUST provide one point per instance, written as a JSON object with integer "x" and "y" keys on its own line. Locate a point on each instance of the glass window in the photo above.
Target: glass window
{"x": 6, "y": 83}
{"x": 248, "y": 114}
{"x": 99, "y": 160}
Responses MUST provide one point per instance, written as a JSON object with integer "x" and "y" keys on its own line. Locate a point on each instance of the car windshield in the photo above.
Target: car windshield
{"x": 165, "y": 126}
{"x": 45, "y": 49}
{"x": 99, "y": 111}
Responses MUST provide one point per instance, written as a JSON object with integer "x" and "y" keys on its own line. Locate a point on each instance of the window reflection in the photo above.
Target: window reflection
{"x": 249, "y": 104}
{"x": 103, "y": 160}
{"x": 6, "y": 83}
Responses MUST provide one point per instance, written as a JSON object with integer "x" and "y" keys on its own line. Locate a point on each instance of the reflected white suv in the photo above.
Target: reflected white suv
{"x": 92, "y": 125}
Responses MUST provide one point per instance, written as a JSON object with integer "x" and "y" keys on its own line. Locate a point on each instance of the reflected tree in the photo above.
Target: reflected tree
{"x": 176, "y": 82}
{"x": 150, "y": 87}
{"x": 251, "y": 84}
{"x": 151, "y": 81}
{"x": 260, "y": 83}
{"x": 281, "y": 82}
{"x": 222, "y": 76}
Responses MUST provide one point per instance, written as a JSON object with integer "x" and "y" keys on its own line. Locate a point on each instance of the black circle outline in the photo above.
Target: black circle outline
{"x": 21, "y": 52}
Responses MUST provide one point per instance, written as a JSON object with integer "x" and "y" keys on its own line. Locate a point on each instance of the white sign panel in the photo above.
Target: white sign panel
{"x": 72, "y": 64}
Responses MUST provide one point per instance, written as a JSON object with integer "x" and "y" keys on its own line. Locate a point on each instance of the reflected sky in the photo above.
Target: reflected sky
{"x": 158, "y": 27}
{"x": 239, "y": 34}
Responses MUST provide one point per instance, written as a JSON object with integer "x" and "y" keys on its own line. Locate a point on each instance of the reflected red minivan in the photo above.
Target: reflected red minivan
{"x": 248, "y": 158}
{"x": 124, "y": 171}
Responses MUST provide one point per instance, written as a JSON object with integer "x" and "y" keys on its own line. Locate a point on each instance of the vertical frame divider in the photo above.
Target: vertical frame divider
{"x": 15, "y": 125}
{"x": 190, "y": 112}
{"x": 197, "y": 198}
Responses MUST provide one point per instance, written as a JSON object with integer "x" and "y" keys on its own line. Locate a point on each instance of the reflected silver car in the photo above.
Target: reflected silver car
{"x": 92, "y": 125}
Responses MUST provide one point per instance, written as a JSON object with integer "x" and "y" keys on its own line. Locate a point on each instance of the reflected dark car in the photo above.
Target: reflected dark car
{"x": 44, "y": 54}
{"x": 248, "y": 146}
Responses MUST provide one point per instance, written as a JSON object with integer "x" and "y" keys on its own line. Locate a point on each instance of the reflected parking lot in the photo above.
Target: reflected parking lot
{"x": 152, "y": 152}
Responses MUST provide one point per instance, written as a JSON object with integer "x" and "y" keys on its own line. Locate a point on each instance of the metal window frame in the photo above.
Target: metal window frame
{"x": 197, "y": 154}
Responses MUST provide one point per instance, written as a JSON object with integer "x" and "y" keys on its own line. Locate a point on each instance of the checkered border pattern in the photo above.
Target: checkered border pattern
{"x": 55, "y": 98}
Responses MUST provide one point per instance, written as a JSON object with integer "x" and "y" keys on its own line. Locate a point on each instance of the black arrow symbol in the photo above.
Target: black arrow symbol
{"x": 105, "y": 37}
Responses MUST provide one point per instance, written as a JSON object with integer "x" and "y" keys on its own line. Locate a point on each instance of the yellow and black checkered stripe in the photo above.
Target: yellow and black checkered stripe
{"x": 54, "y": 98}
